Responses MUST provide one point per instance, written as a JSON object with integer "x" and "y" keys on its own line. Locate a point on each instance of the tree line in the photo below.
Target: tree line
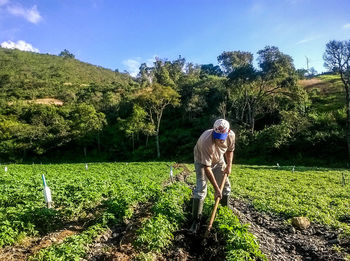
{"x": 161, "y": 113}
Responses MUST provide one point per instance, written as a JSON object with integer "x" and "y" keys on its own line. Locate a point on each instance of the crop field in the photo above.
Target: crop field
{"x": 322, "y": 195}
{"x": 136, "y": 211}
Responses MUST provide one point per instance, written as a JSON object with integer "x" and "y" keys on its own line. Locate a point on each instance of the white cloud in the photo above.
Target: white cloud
{"x": 309, "y": 39}
{"x": 346, "y": 26}
{"x": 133, "y": 65}
{"x": 20, "y": 45}
{"x": 31, "y": 14}
{"x": 150, "y": 61}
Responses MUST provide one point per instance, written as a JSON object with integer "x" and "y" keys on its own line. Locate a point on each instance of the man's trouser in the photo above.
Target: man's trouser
{"x": 200, "y": 190}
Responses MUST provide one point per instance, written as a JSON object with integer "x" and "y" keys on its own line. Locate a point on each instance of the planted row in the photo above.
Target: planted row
{"x": 168, "y": 215}
{"x": 240, "y": 243}
{"x": 77, "y": 193}
{"x": 322, "y": 195}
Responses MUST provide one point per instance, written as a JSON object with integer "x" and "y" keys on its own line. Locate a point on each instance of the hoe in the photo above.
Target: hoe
{"x": 215, "y": 207}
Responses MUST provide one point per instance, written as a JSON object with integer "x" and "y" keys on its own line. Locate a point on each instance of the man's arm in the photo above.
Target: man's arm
{"x": 212, "y": 180}
{"x": 229, "y": 160}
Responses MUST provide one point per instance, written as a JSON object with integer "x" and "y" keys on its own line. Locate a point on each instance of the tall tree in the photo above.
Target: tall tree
{"x": 234, "y": 59}
{"x": 136, "y": 123}
{"x": 337, "y": 59}
{"x": 210, "y": 69}
{"x": 86, "y": 123}
{"x": 156, "y": 98}
{"x": 252, "y": 90}
{"x": 66, "y": 54}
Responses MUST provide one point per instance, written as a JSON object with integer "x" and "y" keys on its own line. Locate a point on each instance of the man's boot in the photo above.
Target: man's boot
{"x": 225, "y": 201}
{"x": 197, "y": 208}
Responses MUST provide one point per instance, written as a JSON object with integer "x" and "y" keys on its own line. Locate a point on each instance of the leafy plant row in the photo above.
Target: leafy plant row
{"x": 77, "y": 193}
{"x": 168, "y": 215}
{"x": 240, "y": 243}
{"x": 116, "y": 210}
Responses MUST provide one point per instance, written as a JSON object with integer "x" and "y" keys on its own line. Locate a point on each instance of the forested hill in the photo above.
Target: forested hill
{"x": 27, "y": 75}
{"x": 101, "y": 114}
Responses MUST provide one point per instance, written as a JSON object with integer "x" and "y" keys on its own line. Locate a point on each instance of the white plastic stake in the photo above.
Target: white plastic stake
{"x": 5, "y": 168}
{"x": 86, "y": 166}
{"x": 171, "y": 174}
{"x": 47, "y": 193}
{"x": 293, "y": 169}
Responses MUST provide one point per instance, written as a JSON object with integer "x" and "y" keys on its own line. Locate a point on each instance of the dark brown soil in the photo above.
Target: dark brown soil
{"x": 280, "y": 241}
{"x": 116, "y": 244}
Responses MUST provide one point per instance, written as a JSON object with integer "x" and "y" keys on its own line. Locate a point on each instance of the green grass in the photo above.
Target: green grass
{"x": 327, "y": 95}
{"x": 318, "y": 194}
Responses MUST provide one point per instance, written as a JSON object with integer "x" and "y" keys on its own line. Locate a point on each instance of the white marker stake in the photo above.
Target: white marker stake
{"x": 5, "y": 168}
{"x": 47, "y": 193}
{"x": 171, "y": 174}
{"x": 86, "y": 166}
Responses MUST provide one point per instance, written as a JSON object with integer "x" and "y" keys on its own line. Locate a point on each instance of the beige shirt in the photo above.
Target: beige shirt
{"x": 208, "y": 152}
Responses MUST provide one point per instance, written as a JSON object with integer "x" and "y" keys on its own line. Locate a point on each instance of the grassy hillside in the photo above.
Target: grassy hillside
{"x": 326, "y": 92}
{"x": 26, "y": 75}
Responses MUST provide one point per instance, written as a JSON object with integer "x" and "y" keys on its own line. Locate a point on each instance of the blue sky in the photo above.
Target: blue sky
{"x": 122, "y": 34}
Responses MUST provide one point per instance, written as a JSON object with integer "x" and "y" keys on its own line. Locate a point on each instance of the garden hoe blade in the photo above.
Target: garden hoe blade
{"x": 213, "y": 214}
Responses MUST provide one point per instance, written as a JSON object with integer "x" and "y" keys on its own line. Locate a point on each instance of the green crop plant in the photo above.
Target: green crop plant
{"x": 318, "y": 194}
{"x": 73, "y": 248}
{"x": 125, "y": 193}
{"x": 168, "y": 215}
{"x": 108, "y": 191}
{"x": 240, "y": 243}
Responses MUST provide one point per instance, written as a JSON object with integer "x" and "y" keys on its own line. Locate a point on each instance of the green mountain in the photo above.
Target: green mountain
{"x": 27, "y": 75}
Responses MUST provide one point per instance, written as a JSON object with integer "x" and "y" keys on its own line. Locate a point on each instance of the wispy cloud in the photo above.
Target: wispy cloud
{"x": 3, "y": 2}
{"x": 31, "y": 14}
{"x": 309, "y": 39}
{"x": 133, "y": 65}
{"x": 20, "y": 45}
{"x": 346, "y": 26}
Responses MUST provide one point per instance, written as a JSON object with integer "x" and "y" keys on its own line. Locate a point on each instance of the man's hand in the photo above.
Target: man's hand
{"x": 218, "y": 193}
{"x": 229, "y": 160}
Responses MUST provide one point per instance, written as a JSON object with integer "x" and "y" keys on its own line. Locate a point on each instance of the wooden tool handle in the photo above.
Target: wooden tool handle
{"x": 216, "y": 205}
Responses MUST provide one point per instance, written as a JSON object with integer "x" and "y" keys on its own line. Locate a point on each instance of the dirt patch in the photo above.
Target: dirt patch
{"x": 116, "y": 244}
{"x": 191, "y": 247}
{"x": 48, "y": 101}
{"x": 182, "y": 177}
{"x": 280, "y": 241}
{"x": 31, "y": 245}
{"x": 308, "y": 83}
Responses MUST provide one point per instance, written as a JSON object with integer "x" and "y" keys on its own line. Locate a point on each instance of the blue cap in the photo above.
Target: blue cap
{"x": 220, "y": 136}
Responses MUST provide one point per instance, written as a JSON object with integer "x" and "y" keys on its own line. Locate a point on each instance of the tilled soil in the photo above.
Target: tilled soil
{"x": 31, "y": 245}
{"x": 277, "y": 239}
{"x": 116, "y": 244}
{"x": 280, "y": 241}
{"x": 192, "y": 247}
